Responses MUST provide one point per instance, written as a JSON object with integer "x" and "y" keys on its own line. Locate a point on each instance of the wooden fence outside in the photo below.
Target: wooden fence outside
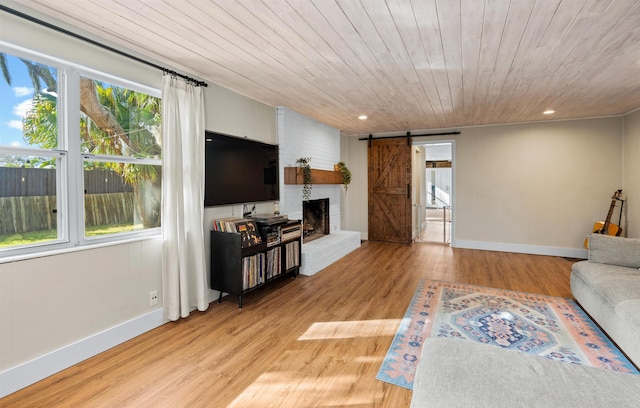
{"x": 21, "y": 182}
{"x": 28, "y": 199}
{"x": 37, "y": 213}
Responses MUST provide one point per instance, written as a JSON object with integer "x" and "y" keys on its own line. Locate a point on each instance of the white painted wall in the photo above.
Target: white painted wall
{"x": 632, "y": 174}
{"x": 58, "y": 309}
{"x": 344, "y": 194}
{"x": 535, "y": 187}
{"x": 233, "y": 114}
{"x": 356, "y": 206}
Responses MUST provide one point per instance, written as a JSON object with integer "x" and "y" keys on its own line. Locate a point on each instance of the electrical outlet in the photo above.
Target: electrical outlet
{"x": 153, "y": 298}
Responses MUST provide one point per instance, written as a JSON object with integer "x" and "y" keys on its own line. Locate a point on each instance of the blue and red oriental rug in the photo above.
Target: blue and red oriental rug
{"x": 553, "y": 327}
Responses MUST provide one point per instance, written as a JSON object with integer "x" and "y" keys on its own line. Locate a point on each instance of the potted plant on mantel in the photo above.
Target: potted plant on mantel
{"x": 307, "y": 178}
{"x": 344, "y": 172}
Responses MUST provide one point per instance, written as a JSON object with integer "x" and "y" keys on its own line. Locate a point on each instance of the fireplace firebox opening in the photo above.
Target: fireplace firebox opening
{"x": 315, "y": 216}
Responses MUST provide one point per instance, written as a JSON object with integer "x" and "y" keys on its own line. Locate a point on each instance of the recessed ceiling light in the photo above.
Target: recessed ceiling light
{"x": 549, "y": 112}
{"x": 362, "y": 117}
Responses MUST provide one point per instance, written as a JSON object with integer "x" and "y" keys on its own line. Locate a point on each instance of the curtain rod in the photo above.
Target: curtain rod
{"x": 370, "y": 137}
{"x": 97, "y": 44}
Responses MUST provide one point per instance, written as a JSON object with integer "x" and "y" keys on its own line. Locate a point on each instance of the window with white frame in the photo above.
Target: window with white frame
{"x": 80, "y": 156}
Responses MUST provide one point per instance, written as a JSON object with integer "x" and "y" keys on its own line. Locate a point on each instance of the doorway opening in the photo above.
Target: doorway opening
{"x": 434, "y": 207}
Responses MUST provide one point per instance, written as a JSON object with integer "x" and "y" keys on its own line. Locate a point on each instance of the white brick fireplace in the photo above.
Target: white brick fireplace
{"x": 301, "y": 136}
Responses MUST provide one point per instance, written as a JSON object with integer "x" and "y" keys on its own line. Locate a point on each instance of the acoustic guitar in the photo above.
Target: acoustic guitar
{"x": 607, "y": 227}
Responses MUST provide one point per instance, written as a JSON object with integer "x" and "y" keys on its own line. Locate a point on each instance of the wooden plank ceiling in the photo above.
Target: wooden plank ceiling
{"x": 407, "y": 64}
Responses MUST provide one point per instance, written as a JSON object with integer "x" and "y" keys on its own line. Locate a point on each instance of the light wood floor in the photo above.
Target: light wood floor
{"x": 307, "y": 342}
{"x": 437, "y": 228}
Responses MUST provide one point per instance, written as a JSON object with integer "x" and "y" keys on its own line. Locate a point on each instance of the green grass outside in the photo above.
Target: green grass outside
{"x": 35, "y": 237}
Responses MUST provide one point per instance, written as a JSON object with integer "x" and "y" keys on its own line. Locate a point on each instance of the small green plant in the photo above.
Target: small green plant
{"x": 307, "y": 178}
{"x": 346, "y": 174}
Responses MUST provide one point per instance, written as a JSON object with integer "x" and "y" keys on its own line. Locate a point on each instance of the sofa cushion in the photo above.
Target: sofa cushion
{"x": 460, "y": 373}
{"x": 614, "y": 250}
{"x": 629, "y": 334}
{"x": 629, "y": 310}
{"x": 613, "y": 283}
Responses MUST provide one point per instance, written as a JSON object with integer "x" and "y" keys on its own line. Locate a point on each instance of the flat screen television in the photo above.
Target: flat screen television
{"x": 239, "y": 170}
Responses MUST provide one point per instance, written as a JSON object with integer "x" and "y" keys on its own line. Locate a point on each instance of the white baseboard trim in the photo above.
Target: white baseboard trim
{"x": 30, "y": 372}
{"x": 521, "y": 249}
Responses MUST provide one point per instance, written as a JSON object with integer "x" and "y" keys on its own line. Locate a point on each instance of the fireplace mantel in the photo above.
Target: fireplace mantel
{"x": 293, "y": 175}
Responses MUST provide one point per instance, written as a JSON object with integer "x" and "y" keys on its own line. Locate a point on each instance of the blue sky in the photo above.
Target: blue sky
{"x": 15, "y": 100}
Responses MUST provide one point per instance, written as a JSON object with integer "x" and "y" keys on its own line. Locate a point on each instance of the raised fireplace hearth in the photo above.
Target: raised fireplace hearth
{"x": 315, "y": 219}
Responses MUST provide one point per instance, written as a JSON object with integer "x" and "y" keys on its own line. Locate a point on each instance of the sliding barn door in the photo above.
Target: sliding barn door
{"x": 390, "y": 190}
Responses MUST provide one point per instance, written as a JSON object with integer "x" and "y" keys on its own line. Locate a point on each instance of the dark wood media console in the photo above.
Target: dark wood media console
{"x": 237, "y": 271}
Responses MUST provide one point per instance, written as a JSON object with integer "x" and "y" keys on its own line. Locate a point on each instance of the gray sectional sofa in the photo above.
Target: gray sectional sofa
{"x": 607, "y": 286}
{"x": 457, "y": 373}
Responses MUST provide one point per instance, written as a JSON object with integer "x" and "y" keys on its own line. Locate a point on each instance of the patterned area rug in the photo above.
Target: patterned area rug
{"x": 552, "y": 327}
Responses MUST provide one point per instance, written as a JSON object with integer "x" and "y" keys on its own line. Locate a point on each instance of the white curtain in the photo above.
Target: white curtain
{"x": 183, "y": 259}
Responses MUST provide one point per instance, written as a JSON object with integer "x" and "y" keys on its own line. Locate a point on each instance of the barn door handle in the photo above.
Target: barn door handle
{"x": 408, "y": 191}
